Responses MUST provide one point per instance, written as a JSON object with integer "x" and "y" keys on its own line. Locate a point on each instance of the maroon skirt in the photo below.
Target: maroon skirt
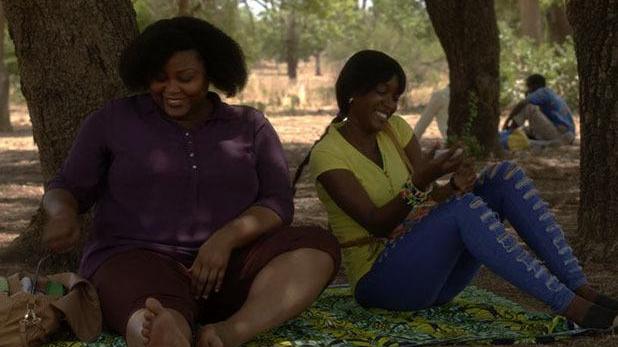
{"x": 126, "y": 280}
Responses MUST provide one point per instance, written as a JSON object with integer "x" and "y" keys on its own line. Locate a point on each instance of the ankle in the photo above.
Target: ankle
{"x": 590, "y": 315}
{"x": 592, "y": 295}
{"x": 587, "y": 292}
{"x": 230, "y": 333}
{"x": 240, "y": 332}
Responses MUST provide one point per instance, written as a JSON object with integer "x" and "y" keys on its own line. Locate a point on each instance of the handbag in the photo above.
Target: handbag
{"x": 28, "y": 318}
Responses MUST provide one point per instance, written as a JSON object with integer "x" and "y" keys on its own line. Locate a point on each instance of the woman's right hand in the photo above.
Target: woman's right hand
{"x": 61, "y": 232}
{"x": 436, "y": 166}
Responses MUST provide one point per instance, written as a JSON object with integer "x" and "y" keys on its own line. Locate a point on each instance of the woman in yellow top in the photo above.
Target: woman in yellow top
{"x": 368, "y": 192}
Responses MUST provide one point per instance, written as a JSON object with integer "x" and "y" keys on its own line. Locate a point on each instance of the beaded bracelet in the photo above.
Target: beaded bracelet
{"x": 413, "y": 196}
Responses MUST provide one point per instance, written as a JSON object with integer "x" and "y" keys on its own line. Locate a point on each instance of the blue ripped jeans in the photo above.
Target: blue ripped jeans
{"x": 438, "y": 257}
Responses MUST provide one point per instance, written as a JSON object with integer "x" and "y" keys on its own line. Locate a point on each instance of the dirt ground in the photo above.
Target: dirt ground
{"x": 556, "y": 174}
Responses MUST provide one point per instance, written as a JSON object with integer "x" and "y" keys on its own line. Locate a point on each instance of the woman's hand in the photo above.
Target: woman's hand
{"x": 61, "y": 232}
{"x": 437, "y": 165}
{"x": 208, "y": 269}
{"x": 415, "y": 215}
{"x": 465, "y": 177}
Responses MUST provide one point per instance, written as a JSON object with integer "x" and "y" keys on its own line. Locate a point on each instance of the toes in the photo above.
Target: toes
{"x": 147, "y": 325}
{"x": 146, "y": 332}
{"x": 154, "y": 306}
{"x": 149, "y": 316}
{"x": 146, "y": 340}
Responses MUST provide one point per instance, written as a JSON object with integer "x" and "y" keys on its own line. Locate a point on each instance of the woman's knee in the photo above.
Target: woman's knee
{"x": 502, "y": 172}
{"x": 475, "y": 215}
{"x": 319, "y": 259}
{"x": 468, "y": 203}
{"x": 318, "y": 247}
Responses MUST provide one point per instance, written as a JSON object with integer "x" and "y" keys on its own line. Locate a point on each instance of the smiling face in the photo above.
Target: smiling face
{"x": 371, "y": 111}
{"x": 180, "y": 88}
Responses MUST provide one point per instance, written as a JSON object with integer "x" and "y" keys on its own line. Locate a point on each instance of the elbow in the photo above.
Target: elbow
{"x": 282, "y": 208}
{"x": 59, "y": 201}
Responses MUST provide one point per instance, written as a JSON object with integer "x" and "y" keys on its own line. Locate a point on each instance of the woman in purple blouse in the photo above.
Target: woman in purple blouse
{"x": 191, "y": 200}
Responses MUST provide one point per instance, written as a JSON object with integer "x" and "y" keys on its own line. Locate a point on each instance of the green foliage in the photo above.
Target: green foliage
{"x": 235, "y": 20}
{"x": 403, "y": 30}
{"x": 339, "y": 28}
{"x": 10, "y": 61}
{"x": 467, "y": 140}
{"x": 318, "y": 23}
{"x": 508, "y": 13}
{"x": 143, "y": 13}
{"x": 545, "y": 4}
{"x": 521, "y": 57}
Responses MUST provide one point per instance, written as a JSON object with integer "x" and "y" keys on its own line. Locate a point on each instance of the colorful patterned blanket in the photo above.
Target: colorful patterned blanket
{"x": 476, "y": 316}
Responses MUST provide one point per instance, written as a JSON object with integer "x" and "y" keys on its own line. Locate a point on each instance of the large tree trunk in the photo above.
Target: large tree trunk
{"x": 596, "y": 46}
{"x": 531, "y": 19}
{"x": 5, "y": 115}
{"x": 291, "y": 45}
{"x": 67, "y": 53}
{"x": 469, "y": 35}
{"x": 557, "y": 23}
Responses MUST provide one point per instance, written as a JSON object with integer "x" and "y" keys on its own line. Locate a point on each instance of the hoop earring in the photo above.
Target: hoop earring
{"x": 350, "y": 100}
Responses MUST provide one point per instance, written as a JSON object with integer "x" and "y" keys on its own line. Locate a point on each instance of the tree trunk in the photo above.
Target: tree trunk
{"x": 531, "y": 19}
{"x": 596, "y": 46}
{"x": 183, "y": 8}
{"x": 67, "y": 52}
{"x": 291, "y": 46}
{"x": 558, "y": 24}
{"x": 5, "y": 115}
{"x": 318, "y": 64}
{"x": 469, "y": 35}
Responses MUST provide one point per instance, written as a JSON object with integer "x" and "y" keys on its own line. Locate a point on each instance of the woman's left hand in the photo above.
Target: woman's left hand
{"x": 465, "y": 177}
{"x": 208, "y": 269}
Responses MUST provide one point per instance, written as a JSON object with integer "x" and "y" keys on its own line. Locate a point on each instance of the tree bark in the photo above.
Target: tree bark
{"x": 291, "y": 45}
{"x": 183, "y": 8}
{"x": 531, "y": 19}
{"x": 67, "y": 52}
{"x": 5, "y": 115}
{"x": 469, "y": 35}
{"x": 558, "y": 24}
{"x": 595, "y": 26}
{"x": 318, "y": 64}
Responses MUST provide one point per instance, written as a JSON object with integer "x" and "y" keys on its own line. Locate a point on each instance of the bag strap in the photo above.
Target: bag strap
{"x": 363, "y": 241}
{"x": 390, "y": 133}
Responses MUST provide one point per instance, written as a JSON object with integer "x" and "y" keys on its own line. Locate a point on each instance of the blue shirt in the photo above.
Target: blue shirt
{"x": 553, "y": 107}
{"x": 158, "y": 186}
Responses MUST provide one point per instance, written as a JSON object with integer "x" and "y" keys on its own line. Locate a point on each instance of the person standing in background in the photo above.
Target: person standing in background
{"x": 436, "y": 108}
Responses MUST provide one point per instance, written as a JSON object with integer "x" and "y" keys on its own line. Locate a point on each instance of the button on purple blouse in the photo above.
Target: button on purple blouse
{"x": 158, "y": 186}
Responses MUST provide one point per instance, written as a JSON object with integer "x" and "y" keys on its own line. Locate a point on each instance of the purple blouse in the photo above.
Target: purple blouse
{"x": 158, "y": 186}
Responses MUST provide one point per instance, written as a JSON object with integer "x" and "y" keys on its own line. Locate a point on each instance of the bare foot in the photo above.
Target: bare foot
{"x": 160, "y": 329}
{"x": 218, "y": 335}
